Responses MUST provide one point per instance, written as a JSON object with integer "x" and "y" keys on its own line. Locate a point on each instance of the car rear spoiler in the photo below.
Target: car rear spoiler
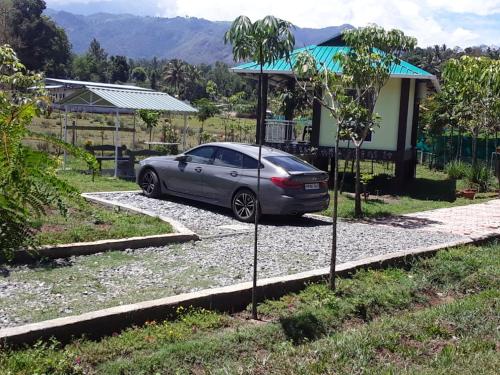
{"x": 322, "y": 174}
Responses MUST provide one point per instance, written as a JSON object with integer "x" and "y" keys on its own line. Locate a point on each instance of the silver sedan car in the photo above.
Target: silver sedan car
{"x": 225, "y": 174}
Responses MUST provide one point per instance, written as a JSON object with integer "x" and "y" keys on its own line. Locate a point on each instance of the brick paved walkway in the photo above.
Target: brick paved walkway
{"x": 473, "y": 221}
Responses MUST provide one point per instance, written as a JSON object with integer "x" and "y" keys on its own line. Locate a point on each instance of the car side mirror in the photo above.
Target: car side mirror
{"x": 183, "y": 158}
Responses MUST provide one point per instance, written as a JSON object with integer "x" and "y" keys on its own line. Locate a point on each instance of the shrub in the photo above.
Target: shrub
{"x": 479, "y": 176}
{"x": 28, "y": 180}
{"x": 456, "y": 169}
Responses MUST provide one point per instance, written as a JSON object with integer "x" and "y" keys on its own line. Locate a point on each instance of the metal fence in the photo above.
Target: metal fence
{"x": 285, "y": 131}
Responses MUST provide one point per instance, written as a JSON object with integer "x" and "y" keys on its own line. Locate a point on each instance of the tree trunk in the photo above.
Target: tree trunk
{"x": 486, "y": 141}
{"x": 333, "y": 258}
{"x": 474, "y": 148}
{"x": 346, "y": 163}
{"x": 201, "y": 133}
{"x": 452, "y": 152}
{"x": 262, "y": 112}
{"x": 459, "y": 151}
{"x": 357, "y": 194}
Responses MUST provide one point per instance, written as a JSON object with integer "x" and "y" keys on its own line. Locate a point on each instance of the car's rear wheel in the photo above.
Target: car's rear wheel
{"x": 150, "y": 184}
{"x": 245, "y": 206}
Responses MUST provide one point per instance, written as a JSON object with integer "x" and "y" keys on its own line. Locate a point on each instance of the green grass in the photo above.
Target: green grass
{"x": 85, "y": 184}
{"x": 430, "y": 190}
{"x": 437, "y": 315}
{"x": 90, "y": 222}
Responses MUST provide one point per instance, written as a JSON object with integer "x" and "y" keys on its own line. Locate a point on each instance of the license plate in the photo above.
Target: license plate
{"x": 314, "y": 186}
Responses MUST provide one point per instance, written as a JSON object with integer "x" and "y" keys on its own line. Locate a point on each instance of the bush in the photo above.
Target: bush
{"x": 479, "y": 176}
{"x": 456, "y": 170}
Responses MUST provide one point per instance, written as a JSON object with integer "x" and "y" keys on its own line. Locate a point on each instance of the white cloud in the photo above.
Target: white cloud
{"x": 478, "y": 7}
{"x": 454, "y": 22}
{"x": 417, "y": 18}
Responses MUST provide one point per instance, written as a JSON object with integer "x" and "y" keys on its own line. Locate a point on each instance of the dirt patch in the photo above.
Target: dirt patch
{"x": 52, "y": 228}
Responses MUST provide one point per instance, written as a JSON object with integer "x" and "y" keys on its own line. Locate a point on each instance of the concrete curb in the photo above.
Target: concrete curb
{"x": 178, "y": 227}
{"x": 231, "y": 298}
{"x": 182, "y": 234}
{"x": 88, "y": 248}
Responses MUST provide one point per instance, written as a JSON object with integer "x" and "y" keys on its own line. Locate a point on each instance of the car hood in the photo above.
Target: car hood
{"x": 158, "y": 158}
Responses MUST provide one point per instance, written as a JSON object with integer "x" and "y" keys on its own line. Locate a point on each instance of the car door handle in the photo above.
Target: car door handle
{"x": 198, "y": 169}
{"x": 234, "y": 173}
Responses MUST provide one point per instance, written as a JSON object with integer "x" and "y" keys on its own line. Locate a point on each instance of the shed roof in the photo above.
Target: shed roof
{"x": 324, "y": 54}
{"x": 80, "y": 84}
{"x": 100, "y": 97}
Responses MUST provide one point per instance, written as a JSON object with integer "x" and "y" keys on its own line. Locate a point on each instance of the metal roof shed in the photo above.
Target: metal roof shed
{"x": 115, "y": 100}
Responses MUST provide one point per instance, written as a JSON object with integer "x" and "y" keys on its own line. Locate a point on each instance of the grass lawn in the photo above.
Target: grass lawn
{"x": 430, "y": 190}
{"x": 437, "y": 315}
{"x": 90, "y": 222}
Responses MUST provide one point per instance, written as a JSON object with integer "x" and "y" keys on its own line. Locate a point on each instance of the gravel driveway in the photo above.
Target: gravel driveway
{"x": 223, "y": 256}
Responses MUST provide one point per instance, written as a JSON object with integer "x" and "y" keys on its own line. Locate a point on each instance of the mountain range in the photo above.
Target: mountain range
{"x": 194, "y": 40}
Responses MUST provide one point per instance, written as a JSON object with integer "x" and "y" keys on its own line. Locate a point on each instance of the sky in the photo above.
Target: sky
{"x": 453, "y": 22}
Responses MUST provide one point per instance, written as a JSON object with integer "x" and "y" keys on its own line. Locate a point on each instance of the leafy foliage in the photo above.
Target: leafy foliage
{"x": 28, "y": 180}
{"x": 40, "y": 44}
{"x": 474, "y": 85}
{"x": 206, "y": 109}
{"x": 456, "y": 169}
{"x": 150, "y": 118}
{"x": 479, "y": 176}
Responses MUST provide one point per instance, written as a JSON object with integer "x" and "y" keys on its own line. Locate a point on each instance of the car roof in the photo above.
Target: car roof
{"x": 249, "y": 149}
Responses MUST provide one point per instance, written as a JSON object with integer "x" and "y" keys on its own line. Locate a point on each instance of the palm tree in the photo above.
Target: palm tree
{"x": 263, "y": 41}
{"x": 174, "y": 74}
{"x": 192, "y": 73}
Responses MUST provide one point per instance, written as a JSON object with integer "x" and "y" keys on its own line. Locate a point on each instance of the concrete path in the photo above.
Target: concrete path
{"x": 472, "y": 221}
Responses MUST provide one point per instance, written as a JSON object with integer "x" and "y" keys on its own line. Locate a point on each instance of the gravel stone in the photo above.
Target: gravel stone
{"x": 223, "y": 256}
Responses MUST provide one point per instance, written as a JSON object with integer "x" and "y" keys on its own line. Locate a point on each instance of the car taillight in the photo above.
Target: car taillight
{"x": 286, "y": 183}
{"x": 323, "y": 184}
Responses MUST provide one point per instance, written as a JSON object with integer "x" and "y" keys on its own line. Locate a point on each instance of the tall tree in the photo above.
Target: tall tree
{"x": 139, "y": 74}
{"x": 332, "y": 92}
{"x": 263, "y": 41}
{"x": 39, "y": 43}
{"x": 118, "y": 69}
{"x": 97, "y": 60}
{"x": 367, "y": 66}
{"x": 174, "y": 75}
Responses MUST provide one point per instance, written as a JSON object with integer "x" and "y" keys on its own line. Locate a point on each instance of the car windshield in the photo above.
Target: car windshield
{"x": 291, "y": 163}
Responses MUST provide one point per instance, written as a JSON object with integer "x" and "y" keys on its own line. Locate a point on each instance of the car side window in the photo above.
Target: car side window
{"x": 249, "y": 162}
{"x": 225, "y": 157}
{"x": 202, "y": 155}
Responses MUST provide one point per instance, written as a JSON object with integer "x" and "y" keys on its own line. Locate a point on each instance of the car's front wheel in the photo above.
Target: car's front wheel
{"x": 245, "y": 206}
{"x": 150, "y": 184}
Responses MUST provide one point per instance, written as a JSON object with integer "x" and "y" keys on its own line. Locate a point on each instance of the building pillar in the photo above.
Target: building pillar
{"x": 402, "y": 165}
{"x": 289, "y": 110}
{"x": 316, "y": 119}
{"x": 414, "y": 131}
{"x": 262, "y": 105}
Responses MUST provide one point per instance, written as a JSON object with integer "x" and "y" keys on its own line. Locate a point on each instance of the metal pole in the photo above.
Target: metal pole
{"x": 133, "y": 134}
{"x": 184, "y": 133}
{"x": 65, "y": 135}
{"x": 117, "y": 140}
